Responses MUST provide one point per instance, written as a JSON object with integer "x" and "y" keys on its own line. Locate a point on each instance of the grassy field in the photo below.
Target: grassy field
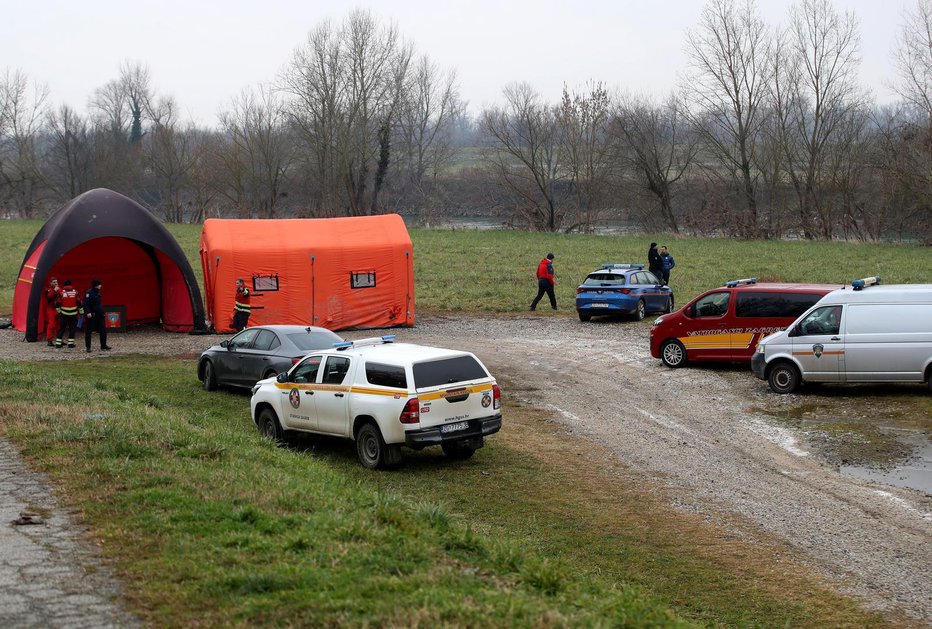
{"x": 209, "y": 524}
{"x": 493, "y": 271}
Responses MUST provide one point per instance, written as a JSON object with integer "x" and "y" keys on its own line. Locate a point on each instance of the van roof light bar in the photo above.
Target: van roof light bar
{"x": 636, "y": 267}
{"x": 747, "y": 280}
{"x": 865, "y": 282}
{"x": 375, "y": 340}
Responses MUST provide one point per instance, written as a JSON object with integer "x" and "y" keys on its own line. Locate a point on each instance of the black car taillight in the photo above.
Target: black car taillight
{"x": 296, "y": 360}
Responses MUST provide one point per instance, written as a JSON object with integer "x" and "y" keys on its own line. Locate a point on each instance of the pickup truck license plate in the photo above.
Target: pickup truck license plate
{"x": 447, "y": 428}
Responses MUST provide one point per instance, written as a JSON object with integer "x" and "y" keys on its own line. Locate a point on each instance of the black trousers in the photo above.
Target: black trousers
{"x": 240, "y": 319}
{"x": 70, "y": 323}
{"x": 95, "y": 324}
{"x": 545, "y": 288}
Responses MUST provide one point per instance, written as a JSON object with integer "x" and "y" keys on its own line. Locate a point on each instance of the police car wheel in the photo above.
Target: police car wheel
{"x": 673, "y": 354}
{"x": 210, "y": 378}
{"x": 268, "y": 425}
{"x": 783, "y": 378}
{"x": 640, "y": 310}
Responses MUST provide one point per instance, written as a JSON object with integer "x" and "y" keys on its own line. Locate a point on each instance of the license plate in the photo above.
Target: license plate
{"x": 446, "y": 428}
{"x": 598, "y": 305}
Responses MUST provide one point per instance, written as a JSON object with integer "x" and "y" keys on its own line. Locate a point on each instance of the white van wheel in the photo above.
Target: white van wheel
{"x": 783, "y": 378}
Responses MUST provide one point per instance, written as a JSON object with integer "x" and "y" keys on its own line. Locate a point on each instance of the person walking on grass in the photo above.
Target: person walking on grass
{"x": 94, "y": 317}
{"x": 545, "y": 282}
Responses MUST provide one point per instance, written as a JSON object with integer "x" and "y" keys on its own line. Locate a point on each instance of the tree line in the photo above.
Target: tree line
{"x": 770, "y": 135}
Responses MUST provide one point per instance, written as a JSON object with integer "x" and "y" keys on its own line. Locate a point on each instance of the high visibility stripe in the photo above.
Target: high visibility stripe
{"x": 241, "y": 307}
{"x": 707, "y": 341}
{"x": 835, "y": 353}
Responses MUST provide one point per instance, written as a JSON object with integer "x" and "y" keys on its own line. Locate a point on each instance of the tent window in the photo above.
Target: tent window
{"x": 362, "y": 279}
{"x": 265, "y": 283}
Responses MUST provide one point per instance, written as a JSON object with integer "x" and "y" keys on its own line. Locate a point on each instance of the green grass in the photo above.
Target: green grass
{"x": 493, "y": 271}
{"x": 209, "y": 524}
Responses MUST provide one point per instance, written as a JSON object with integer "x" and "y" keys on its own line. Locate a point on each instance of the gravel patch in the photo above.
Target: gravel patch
{"x": 696, "y": 431}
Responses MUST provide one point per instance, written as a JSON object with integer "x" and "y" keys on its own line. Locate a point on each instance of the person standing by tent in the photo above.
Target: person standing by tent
{"x": 545, "y": 282}
{"x": 94, "y": 316}
{"x": 241, "y": 307}
{"x": 52, "y": 298}
{"x": 68, "y": 311}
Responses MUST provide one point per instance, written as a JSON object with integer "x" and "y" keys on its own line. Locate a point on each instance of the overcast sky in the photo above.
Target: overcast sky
{"x": 204, "y": 52}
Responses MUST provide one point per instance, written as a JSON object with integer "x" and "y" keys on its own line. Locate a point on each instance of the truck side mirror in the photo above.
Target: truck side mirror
{"x": 282, "y": 377}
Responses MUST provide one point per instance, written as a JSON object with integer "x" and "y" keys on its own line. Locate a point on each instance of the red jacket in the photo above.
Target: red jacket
{"x": 70, "y": 304}
{"x": 52, "y": 296}
{"x": 545, "y": 271}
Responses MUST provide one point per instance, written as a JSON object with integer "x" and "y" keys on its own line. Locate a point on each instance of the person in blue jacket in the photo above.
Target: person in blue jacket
{"x": 668, "y": 263}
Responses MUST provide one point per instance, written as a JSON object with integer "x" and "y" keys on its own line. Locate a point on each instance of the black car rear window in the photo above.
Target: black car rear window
{"x": 447, "y": 371}
{"x": 386, "y": 375}
{"x": 314, "y": 340}
{"x": 765, "y": 304}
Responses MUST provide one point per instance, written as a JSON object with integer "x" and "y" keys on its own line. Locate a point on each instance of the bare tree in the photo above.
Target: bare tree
{"x": 525, "y": 156}
{"x": 587, "y": 151}
{"x": 69, "y": 155}
{"x": 170, "y": 154}
{"x": 260, "y": 152}
{"x": 22, "y": 111}
{"x": 727, "y": 88}
{"x": 819, "y": 105}
{"x": 658, "y": 144}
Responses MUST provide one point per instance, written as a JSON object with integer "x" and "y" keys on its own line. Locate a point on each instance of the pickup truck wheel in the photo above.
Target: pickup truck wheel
{"x": 370, "y": 447}
{"x": 640, "y": 311}
{"x": 673, "y": 354}
{"x": 269, "y": 426}
{"x": 210, "y": 378}
{"x": 458, "y": 451}
{"x": 783, "y": 378}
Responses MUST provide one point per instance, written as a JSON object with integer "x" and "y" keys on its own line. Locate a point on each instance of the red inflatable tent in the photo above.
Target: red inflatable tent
{"x": 337, "y": 273}
{"x": 103, "y": 235}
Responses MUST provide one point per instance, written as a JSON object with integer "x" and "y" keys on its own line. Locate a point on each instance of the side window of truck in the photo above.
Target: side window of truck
{"x": 336, "y": 369}
{"x": 714, "y": 305}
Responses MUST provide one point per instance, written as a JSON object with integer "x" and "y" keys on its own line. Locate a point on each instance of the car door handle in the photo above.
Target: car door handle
{"x": 308, "y": 393}
{"x": 337, "y": 395}
{"x": 835, "y": 338}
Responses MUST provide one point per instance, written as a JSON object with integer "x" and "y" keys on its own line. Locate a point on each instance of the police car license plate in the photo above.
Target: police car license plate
{"x": 447, "y": 428}
{"x": 599, "y": 305}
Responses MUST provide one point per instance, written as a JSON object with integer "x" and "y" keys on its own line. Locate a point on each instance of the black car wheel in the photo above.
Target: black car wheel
{"x": 783, "y": 378}
{"x": 640, "y": 311}
{"x": 673, "y": 354}
{"x": 210, "y": 378}
{"x": 269, "y": 373}
{"x": 269, "y": 426}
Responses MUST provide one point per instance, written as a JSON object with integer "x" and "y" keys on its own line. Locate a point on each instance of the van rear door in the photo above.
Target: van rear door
{"x": 819, "y": 346}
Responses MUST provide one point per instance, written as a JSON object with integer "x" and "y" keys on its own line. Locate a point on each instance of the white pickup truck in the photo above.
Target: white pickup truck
{"x": 384, "y": 395}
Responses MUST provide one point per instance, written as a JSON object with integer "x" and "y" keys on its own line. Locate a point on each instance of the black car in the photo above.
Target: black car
{"x": 260, "y": 352}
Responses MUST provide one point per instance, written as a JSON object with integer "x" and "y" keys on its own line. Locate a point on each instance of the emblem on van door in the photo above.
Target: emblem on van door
{"x": 817, "y": 350}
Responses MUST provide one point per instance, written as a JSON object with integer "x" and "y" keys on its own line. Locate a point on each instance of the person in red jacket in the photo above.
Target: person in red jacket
{"x": 52, "y": 297}
{"x": 545, "y": 282}
{"x": 68, "y": 310}
{"x": 241, "y": 307}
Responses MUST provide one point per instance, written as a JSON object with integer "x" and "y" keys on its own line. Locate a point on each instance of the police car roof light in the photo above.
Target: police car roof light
{"x": 864, "y": 282}
{"x": 342, "y": 345}
{"x": 375, "y": 340}
{"x": 747, "y": 280}
{"x": 388, "y": 338}
{"x": 623, "y": 266}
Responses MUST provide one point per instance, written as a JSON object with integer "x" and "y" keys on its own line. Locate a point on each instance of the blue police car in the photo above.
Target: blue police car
{"x": 627, "y": 289}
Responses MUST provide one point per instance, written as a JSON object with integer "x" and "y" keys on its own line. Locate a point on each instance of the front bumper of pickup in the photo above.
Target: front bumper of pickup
{"x": 477, "y": 429}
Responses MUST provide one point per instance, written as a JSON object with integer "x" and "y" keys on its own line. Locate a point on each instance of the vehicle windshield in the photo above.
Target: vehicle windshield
{"x": 605, "y": 279}
{"x": 314, "y": 340}
{"x": 435, "y": 373}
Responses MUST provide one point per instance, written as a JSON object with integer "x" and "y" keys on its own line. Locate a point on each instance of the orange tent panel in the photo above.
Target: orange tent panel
{"x": 337, "y": 273}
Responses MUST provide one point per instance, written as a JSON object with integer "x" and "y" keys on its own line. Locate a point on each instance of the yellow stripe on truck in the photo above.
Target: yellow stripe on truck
{"x": 479, "y": 388}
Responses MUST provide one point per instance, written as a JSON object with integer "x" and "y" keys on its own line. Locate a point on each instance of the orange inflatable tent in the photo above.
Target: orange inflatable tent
{"x": 337, "y": 273}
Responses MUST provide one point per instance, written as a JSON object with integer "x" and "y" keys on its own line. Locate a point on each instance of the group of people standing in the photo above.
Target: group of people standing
{"x": 63, "y": 307}
{"x": 659, "y": 261}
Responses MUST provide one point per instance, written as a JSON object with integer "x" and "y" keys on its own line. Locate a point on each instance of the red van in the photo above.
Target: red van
{"x": 725, "y": 324}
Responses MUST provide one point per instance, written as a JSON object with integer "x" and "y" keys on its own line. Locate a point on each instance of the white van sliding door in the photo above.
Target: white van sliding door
{"x": 887, "y": 342}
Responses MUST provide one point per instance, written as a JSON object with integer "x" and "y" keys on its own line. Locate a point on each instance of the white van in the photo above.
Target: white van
{"x": 861, "y": 333}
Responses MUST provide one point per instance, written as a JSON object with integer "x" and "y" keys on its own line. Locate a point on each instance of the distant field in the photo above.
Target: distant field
{"x": 493, "y": 271}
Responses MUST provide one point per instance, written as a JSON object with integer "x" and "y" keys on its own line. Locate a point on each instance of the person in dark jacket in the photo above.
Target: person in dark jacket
{"x": 545, "y": 282}
{"x": 654, "y": 263}
{"x": 241, "y": 307}
{"x": 94, "y": 317}
{"x": 668, "y": 263}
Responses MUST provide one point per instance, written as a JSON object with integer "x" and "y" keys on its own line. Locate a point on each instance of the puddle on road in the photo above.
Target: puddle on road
{"x": 876, "y": 433}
